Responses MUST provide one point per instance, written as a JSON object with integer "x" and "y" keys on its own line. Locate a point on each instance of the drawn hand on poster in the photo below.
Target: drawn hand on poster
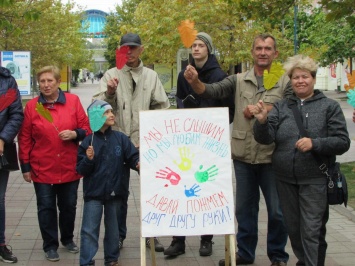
{"x": 186, "y": 157}
{"x": 192, "y": 191}
{"x": 204, "y": 176}
{"x": 170, "y": 175}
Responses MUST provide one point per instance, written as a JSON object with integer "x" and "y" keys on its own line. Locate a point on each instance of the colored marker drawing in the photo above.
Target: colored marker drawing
{"x": 170, "y": 175}
{"x": 185, "y": 157}
{"x": 192, "y": 191}
{"x": 204, "y": 176}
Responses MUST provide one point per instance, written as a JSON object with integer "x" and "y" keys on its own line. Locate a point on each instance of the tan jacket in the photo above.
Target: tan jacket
{"x": 244, "y": 86}
{"x": 149, "y": 94}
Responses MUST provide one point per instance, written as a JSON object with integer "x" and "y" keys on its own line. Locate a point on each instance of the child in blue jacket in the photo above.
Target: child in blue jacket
{"x": 101, "y": 159}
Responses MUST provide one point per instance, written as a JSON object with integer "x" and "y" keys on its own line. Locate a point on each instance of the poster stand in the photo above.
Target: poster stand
{"x": 229, "y": 251}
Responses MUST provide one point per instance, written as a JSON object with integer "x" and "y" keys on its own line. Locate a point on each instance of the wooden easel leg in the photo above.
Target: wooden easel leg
{"x": 143, "y": 250}
{"x": 232, "y": 242}
{"x": 227, "y": 249}
{"x": 152, "y": 251}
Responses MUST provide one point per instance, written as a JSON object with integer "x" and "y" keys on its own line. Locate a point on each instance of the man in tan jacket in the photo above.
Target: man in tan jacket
{"x": 129, "y": 90}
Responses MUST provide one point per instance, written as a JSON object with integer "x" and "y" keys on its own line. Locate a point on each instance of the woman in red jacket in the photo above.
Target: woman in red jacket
{"x": 54, "y": 124}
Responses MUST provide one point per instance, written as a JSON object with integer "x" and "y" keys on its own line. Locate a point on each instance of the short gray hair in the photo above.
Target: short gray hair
{"x": 302, "y": 62}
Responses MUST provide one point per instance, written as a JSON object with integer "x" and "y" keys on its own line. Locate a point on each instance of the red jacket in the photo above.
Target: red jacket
{"x": 50, "y": 159}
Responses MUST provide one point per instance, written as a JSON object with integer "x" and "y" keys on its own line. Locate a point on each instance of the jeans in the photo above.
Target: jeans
{"x": 4, "y": 177}
{"x": 90, "y": 229}
{"x": 251, "y": 177}
{"x": 48, "y": 197}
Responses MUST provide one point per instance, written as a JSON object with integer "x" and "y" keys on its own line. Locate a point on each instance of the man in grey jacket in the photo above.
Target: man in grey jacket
{"x": 252, "y": 161}
{"x": 129, "y": 90}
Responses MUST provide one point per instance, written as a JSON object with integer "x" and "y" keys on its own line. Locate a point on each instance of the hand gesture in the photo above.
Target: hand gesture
{"x": 67, "y": 134}
{"x": 191, "y": 74}
{"x": 304, "y": 144}
{"x": 27, "y": 177}
{"x": 90, "y": 152}
{"x": 112, "y": 86}
{"x": 260, "y": 112}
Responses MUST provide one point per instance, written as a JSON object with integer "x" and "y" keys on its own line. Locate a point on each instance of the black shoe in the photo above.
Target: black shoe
{"x": 158, "y": 246}
{"x": 52, "y": 255}
{"x": 120, "y": 243}
{"x": 6, "y": 254}
{"x": 72, "y": 247}
{"x": 299, "y": 263}
{"x": 206, "y": 248}
{"x": 238, "y": 260}
{"x": 176, "y": 248}
{"x": 279, "y": 263}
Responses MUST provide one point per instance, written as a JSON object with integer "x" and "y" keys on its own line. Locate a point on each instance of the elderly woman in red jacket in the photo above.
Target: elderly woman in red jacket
{"x": 53, "y": 125}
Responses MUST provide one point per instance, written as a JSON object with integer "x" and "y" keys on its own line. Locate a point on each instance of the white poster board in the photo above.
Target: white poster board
{"x": 19, "y": 64}
{"x": 186, "y": 172}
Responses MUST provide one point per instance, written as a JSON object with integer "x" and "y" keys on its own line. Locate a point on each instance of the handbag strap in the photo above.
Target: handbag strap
{"x": 297, "y": 114}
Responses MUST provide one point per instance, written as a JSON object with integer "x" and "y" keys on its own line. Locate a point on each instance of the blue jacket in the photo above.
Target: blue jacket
{"x": 105, "y": 174}
{"x": 11, "y": 116}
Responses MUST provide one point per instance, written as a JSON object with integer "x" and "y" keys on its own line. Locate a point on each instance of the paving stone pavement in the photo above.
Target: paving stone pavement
{"x": 23, "y": 234}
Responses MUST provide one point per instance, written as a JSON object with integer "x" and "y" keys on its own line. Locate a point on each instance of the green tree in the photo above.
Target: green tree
{"x": 340, "y": 9}
{"x": 54, "y": 37}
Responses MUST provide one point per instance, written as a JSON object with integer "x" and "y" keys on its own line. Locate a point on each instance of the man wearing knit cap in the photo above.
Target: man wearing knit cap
{"x": 209, "y": 71}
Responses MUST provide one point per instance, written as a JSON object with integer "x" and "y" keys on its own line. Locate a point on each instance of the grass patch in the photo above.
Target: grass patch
{"x": 348, "y": 169}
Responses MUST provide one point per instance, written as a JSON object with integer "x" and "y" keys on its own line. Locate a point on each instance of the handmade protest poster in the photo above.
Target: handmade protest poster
{"x": 186, "y": 172}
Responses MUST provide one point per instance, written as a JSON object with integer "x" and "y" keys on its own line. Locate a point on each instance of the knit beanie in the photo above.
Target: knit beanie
{"x": 203, "y": 36}
{"x": 99, "y": 103}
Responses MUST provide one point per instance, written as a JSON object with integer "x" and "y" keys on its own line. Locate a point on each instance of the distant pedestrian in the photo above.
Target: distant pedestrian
{"x": 92, "y": 76}
{"x": 354, "y": 116}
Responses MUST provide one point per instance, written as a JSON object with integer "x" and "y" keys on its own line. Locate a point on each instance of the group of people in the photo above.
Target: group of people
{"x": 57, "y": 146}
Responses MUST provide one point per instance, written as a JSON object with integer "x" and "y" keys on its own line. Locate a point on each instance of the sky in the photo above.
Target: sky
{"x": 103, "y": 5}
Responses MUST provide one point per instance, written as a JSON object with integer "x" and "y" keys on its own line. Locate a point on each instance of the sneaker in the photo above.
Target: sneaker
{"x": 6, "y": 254}
{"x": 206, "y": 248}
{"x": 120, "y": 243}
{"x": 72, "y": 247}
{"x": 176, "y": 248}
{"x": 158, "y": 246}
{"x": 52, "y": 255}
{"x": 238, "y": 261}
{"x": 279, "y": 263}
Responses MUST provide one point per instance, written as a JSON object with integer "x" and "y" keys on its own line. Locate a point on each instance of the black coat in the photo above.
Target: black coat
{"x": 11, "y": 116}
{"x": 210, "y": 72}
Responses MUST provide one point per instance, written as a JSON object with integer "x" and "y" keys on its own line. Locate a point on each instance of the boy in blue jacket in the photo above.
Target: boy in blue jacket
{"x": 101, "y": 157}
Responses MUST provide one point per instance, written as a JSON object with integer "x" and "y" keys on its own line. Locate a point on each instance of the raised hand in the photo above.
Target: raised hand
{"x": 170, "y": 175}
{"x": 204, "y": 176}
{"x": 192, "y": 191}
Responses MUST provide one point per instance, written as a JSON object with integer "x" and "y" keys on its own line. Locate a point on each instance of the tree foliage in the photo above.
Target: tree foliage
{"x": 340, "y": 9}
{"x": 333, "y": 43}
{"x": 231, "y": 27}
{"x": 47, "y": 28}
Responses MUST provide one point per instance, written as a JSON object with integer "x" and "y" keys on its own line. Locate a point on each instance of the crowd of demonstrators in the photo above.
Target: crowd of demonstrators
{"x": 47, "y": 152}
{"x": 300, "y": 183}
{"x": 129, "y": 90}
{"x": 11, "y": 117}
{"x": 209, "y": 71}
{"x": 264, "y": 134}
{"x": 252, "y": 161}
{"x": 101, "y": 160}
